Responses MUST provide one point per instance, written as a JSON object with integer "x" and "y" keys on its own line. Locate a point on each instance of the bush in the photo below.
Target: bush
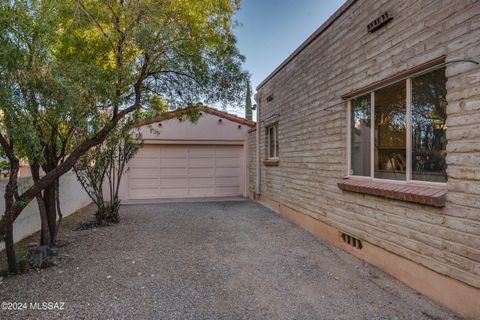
{"x": 105, "y": 165}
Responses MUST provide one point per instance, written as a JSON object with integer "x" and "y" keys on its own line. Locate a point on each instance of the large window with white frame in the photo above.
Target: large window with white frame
{"x": 399, "y": 132}
{"x": 272, "y": 141}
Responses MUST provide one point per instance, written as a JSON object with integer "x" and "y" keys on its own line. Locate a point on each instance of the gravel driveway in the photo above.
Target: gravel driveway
{"x": 210, "y": 260}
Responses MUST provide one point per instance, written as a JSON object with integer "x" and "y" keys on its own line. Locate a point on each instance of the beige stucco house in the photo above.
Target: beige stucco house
{"x": 368, "y": 135}
{"x": 185, "y": 159}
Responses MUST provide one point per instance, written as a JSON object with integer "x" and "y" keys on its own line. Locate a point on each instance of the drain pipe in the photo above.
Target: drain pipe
{"x": 257, "y": 178}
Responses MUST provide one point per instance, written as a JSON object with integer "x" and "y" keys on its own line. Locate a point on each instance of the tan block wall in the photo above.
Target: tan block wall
{"x": 312, "y": 130}
{"x": 252, "y": 156}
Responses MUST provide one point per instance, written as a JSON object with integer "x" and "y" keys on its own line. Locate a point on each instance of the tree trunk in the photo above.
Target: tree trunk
{"x": 59, "y": 211}
{"x": 10, "y": 249}
{"x": 49, "y": 196}
{"x": 44, "y": 230}
{"x": 9, "y": 216}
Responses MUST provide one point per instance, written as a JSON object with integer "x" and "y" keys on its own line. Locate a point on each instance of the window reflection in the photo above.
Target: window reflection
{"x": 429, "y": 115}
{"x": 360, "y": 136}
{"x": 390, "y": 132}
{"x": 271, "y": 135}
{"x": 272, "y": 142}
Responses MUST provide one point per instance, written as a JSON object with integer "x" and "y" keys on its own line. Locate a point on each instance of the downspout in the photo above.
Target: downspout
{"x": 257, "y": 178}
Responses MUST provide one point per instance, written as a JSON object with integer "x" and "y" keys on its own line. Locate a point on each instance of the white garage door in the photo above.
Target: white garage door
{"x": 178, "y": 171}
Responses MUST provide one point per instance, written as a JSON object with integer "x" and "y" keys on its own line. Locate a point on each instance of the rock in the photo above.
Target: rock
{"x": 41, "y": 256}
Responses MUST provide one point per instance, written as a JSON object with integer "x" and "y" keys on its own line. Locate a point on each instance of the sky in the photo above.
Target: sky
{"x": 270, "y": 30}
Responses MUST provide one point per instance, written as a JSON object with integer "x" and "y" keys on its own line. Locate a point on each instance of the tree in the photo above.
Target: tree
{"x": 116, "y": 55}
{"x": 27, "y": 85}
{"x": 103, "y": 166}
{"x": 248, "y": 103}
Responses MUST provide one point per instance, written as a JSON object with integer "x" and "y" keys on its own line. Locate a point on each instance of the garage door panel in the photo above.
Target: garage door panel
{"x": 168, "y": 152}
{"x": 173, "y": 183}
{"x": 200, "y": 162}
{"x": 228, "y": 151}
{"x": 143, "y": 193}
{"x": 227, "y": 191}
{"x": 144, "y": 163}
{"x": 141, "y": 173}
{"x": 201, "y": 172}
{"x": 144, "y": 183}
{"x": 173, "y": 193}
{"x": 201, "y": 192}
{"x": 227, "y": 172}
{"x": 202, "y": 152}
{"x": 227, "y": 181}
{"x": 173, "y": 163}
{"x": 177, "y": 171}
{"x": 227, "y": 162}
{"x": 201, "y": 182}
{"x": 173, "y": 172}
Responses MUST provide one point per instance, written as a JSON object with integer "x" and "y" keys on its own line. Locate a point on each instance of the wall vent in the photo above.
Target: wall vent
{"x": 354, "y": 242}
{"x": 380, "y": 21}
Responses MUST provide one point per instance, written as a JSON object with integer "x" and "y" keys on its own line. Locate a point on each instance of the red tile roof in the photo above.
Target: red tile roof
{"x": 218, "y": 113}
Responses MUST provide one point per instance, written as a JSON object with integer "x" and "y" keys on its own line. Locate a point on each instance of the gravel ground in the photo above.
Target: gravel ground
{"x": 209, "y": 260}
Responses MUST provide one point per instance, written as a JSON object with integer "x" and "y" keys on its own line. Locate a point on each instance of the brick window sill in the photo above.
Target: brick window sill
{"x": 433, "y": 196}
{"x": 271, "y": 162}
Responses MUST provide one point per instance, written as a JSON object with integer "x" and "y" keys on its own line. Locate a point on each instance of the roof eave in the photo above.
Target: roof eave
{"x": 175, "y": 113}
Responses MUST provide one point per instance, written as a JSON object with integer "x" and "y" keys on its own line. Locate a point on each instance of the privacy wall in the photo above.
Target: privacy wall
{"x": 72, "y": 198}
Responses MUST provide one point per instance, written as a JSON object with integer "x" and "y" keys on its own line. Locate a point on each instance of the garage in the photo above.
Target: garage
{"x": 177, "y": 171}
{"x": 183, "y": 159}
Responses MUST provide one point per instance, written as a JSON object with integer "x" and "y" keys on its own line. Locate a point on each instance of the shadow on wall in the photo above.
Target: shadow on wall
{"x": 72, "y": 198}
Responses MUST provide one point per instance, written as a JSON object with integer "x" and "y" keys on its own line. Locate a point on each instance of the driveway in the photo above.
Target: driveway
{"x": 210, "y": 260}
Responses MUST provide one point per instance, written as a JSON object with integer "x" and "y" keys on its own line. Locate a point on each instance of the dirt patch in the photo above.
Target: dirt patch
{"x": 69, "y": 224}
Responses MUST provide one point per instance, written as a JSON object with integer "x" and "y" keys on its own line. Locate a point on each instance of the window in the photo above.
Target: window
{"x": 429, "y": 129}
{"x": 360, "y": 136}
{"x": 390, "y": 137}
{"x": 399, "y": 132}
{"x": 272, "y": 142}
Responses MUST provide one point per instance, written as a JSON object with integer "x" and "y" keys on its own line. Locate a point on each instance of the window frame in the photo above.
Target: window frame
{"x": 273, "y": 126}
{"x": 408, "y": 172}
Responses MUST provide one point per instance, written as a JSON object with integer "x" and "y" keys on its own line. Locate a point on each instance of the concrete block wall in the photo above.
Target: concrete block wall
{"x": 72, "y": 198}
{"x": 312, "y": 130}
{"x": 251, "y": 161}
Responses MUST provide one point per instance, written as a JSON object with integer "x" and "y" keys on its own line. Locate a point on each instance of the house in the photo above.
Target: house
{"x": 23, "y": 169}
{"x": 184, "y": 159}
{"x": 368, "y": 135}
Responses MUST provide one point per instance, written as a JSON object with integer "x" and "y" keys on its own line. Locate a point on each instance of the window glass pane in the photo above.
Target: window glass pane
{"x": 390, "y": 132}
{"x": 276, "y": 141}
{"x": 429, "y": 115}
{"x": 271, "y": 143}
{"x": 360, "y": 136}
